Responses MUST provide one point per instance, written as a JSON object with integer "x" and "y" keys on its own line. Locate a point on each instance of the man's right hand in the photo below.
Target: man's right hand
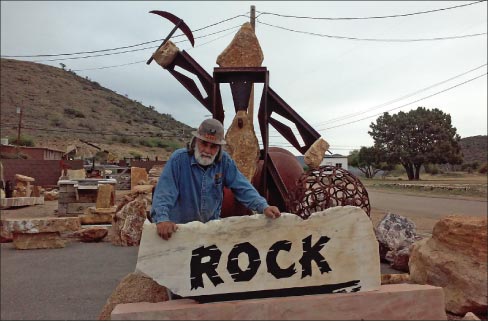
{"x": 166, "y": 229}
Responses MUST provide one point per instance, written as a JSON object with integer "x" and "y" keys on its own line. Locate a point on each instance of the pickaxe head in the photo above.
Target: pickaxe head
{"x": 177, "y": 21}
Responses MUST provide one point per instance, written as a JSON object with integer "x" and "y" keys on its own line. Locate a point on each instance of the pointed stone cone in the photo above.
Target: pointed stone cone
{"x": 243, "y": 51}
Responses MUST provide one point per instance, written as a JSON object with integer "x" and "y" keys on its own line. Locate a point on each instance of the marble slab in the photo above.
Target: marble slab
{"x": 333, "y": 251}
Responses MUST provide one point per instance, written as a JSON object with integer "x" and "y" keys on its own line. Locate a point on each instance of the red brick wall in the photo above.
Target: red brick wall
{"x": 33, "y": 152}
{"x": 45, "y": 172}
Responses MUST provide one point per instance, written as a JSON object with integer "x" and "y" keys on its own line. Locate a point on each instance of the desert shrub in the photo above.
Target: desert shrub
{"x": 125, "y": 140}
{"x": 74, "y": 113}
{"x": 87, "y": 125}
{"x": 135, "y": 154}
{"x": 483, "y": 168}
{"x": 24, "y": 140}
{"x": 431, "y": 169}
{"x": 148, "y": 142}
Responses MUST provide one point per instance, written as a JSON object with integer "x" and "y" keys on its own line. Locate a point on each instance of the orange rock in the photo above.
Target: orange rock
{"x": 455, "y": 259}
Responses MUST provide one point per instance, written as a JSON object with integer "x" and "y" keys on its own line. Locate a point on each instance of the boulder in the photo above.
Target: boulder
{"x": 93, "y": 234}
{"x": 243, "y": 51}
{"x": 134, "y": 288}
{"x": 455, "y": 258}
{"x": 129, "y": 219}
{"x": 470, "y": 317}
{"x": 395, "y": 235}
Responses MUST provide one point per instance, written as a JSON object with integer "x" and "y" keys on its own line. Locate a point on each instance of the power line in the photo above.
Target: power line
{"x": 398, "y": 99}
{"x": 111, "y": 66}
{"x": 371, "y": 39}
{"x": 132, "y": 50}
{"x": 404, "y": 105}
{"x": 372, "y": 17}
{"x": 124, "y": 47}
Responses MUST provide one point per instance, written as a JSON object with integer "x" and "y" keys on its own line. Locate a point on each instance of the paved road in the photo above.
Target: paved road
{"x": 72, "y": 283}
{"x": 427, "y": 207}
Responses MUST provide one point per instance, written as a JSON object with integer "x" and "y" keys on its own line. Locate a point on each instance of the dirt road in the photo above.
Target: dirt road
{"x": 422, "y": 210}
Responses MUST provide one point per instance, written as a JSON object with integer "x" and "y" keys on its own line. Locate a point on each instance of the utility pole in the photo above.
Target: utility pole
{"x": 251, "y": 97}
{"x": 19, "y": 112}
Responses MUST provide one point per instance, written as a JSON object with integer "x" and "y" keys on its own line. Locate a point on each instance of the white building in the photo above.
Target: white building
{"x": 335, "y": 160}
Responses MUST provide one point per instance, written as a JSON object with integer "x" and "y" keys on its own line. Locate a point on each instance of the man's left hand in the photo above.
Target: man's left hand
{"x": 272, "y": 212}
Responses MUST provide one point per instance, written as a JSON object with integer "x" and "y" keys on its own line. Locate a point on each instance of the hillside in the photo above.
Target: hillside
{"x": 60, "y": 108}
{"x": 475, "y": 149}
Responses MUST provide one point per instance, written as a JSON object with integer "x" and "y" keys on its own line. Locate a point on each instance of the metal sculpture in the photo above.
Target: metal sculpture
{"x": 278, "y": 169}
{"x": 324, "y": 187}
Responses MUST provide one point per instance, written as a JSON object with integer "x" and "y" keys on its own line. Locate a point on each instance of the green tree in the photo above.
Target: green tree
{"x": 369, "y": 160}
{"x": 417, "y": 137}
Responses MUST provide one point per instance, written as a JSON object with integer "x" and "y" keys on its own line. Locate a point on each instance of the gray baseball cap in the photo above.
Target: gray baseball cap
{"x": 211, "y": 130}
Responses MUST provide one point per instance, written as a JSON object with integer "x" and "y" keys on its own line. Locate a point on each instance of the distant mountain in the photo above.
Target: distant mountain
{"x": 475, "y": 149}
{"x": 59, "y": 108}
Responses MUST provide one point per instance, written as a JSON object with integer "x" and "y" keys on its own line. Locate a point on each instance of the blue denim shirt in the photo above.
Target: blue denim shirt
{"x": 188, "y": 192}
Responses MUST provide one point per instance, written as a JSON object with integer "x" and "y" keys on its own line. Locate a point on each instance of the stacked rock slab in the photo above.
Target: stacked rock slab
{"x": 23, "y": 188}
{"x": 455, "y": 258}
{"x": 242, "y": 143}
{"x": 351, "y": 253}
{"x": 40, "y": 233}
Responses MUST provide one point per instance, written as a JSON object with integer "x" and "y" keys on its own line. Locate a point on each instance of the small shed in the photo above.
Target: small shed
{"x": 335, "y": 160}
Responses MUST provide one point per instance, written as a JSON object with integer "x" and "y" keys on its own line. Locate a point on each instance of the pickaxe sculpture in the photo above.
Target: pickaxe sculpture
{"x": 179, "y": 23}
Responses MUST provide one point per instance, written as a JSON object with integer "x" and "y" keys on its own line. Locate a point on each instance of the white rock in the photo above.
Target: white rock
{"x": 349, "y": 248}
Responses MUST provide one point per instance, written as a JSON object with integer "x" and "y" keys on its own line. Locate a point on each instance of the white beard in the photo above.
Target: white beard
{"x": 203, "y": 158}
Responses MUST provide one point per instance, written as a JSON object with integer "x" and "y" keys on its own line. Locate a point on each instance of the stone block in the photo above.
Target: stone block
{"x": 20, "y": 201}
{"x": 41, "y": 240}
{"x": 23, "y": 178}
{"x": 74, "y": 174}
{"x": 105, "y": 196}
{"x": 334, "y": 250}
{"x": 138, "y": 176}
{"x": 40, "y": 225}
{"x": 166, "y": 54}
{"x": 93, "y": 215}
{"x": 400, "y": 302}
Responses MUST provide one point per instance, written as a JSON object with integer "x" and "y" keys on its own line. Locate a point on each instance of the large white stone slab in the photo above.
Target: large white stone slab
{"x": 341, "y": 254}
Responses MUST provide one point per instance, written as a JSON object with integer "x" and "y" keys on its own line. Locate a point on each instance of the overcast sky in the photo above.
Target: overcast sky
{"x": 331, "y": 82}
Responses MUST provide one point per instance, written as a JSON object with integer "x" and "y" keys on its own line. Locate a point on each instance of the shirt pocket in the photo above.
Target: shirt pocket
{"x": 217, "y": 190}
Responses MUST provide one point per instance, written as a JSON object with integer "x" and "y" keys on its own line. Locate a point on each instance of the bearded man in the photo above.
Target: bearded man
{"x": 192, "y": 183}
